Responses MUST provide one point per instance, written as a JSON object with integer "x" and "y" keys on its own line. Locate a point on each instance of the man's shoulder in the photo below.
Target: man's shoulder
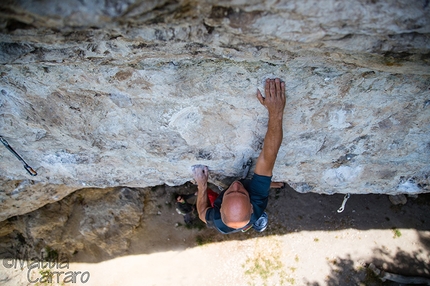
{"x": 212, "y": 214}
{"x": 259, "y": 185}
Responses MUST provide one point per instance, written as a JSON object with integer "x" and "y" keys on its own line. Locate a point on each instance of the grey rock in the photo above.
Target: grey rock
{"x": 398, "y": 199}
{"x": 133, "y": 93}
{"x": 98, "y": 222}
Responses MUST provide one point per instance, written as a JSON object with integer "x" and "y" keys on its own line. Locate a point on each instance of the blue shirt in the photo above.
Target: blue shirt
{"x": 258, "y": 188}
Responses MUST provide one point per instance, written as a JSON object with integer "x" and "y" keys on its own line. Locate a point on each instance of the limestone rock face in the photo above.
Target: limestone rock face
{"x": 132, "y": 93}
{"x": 99, "y": 222}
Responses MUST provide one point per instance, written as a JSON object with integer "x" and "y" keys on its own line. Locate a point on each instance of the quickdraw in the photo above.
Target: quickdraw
{"x": 26, "y": 166}
{"x": 342, "y": 207}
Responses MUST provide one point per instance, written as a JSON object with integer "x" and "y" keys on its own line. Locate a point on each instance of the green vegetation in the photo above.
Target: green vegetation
{"x": 266, "y": 267}
{"x": 397, "y": 232}
{"x": 51, "y": 254}
{"x": 200, "y": 240}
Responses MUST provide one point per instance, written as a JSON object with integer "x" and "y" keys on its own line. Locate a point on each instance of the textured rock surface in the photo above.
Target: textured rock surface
{"x": 99, "y": 222}
{"x": 132, "y": 93}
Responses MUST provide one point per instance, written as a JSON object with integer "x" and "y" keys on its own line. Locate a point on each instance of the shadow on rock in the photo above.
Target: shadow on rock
{"x": 93, "y": 225}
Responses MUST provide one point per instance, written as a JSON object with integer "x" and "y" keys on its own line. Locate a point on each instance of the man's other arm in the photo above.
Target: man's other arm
{"x": 201, "y": 176}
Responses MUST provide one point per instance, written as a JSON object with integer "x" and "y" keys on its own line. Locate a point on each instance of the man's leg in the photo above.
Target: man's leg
{"x": 261, "y": 224}
{"x": 277, "y": 185}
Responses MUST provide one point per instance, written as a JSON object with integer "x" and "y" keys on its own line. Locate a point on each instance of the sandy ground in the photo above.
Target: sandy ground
{"x": 307, "y": 243}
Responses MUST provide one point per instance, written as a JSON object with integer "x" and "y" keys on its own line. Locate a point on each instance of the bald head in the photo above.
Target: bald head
{"x": 236, "y": 208}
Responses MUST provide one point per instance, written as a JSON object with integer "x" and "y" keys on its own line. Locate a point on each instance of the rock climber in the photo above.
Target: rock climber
{"x": 242, "y": 205}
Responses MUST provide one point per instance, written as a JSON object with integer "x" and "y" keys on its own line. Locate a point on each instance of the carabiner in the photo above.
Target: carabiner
{"x": 29, "y": 169}
{"x": 342, "y": 207}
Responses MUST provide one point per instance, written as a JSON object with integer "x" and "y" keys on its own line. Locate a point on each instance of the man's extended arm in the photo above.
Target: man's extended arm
{"x": 201, "y": 176}
{"x": 274, "y": 101}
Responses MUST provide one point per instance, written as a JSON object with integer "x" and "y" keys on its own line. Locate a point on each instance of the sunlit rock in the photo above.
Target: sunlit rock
{"x": 132, "y": 93}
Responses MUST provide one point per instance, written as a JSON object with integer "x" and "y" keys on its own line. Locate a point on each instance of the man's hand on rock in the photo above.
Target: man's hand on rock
{"x": 201, "y": 174}
{"x": 274, "y": 99}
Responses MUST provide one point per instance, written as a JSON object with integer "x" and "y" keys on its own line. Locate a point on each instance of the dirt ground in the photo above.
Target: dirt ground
{"x": 307, "y": 243}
